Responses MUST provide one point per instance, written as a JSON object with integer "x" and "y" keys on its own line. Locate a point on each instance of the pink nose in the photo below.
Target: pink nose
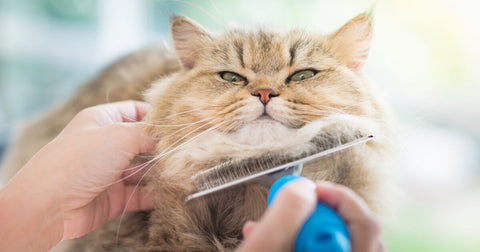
{"x": 264, "y": 94}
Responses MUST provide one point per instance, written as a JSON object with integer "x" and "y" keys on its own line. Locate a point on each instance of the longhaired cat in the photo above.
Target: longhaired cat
{"x": 236, "y": 95}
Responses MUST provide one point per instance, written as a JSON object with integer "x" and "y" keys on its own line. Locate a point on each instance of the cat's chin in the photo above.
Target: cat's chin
{"x": 262, "y": 130}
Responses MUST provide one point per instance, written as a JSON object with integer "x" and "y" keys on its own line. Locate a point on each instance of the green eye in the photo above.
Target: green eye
{"x": 232, "y": 77}
{"x": 302, "y": 75}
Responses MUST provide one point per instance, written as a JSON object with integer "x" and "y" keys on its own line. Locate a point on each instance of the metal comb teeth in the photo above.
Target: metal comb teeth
{"x": 235, "y": 172}
{"x": 234, "y": 169}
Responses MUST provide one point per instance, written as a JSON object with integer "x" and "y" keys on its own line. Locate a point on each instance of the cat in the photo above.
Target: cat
{"x": 245, "y": 93}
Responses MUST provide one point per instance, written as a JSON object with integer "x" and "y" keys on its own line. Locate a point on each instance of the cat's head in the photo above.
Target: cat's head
{"x": 257, "y": 87}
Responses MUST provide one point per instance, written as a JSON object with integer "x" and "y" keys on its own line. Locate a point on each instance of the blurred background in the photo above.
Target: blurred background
{"x": 425, "y": 58}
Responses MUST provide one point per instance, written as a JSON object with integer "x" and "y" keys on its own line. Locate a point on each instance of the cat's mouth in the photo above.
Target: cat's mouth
{"x": 265, "y": 118}
{"x": 265, "y": 121}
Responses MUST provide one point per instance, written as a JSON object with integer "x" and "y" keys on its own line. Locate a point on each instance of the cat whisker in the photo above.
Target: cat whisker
{"x": 317, "y": 109}
{"x": 161, "y": 154}
{"x": 323, "y": 112}
{"x": 178, "y": 125}
{"x": 189, "y": 133}
{"x": 305, "y": 113}
{"x": 329, "y": 108}
{"x": 343, "y": 108}
{"x": 158, "y": 160}
{"x": 191, "y": 124}
{"x": 230, "y": 127}
{"x": 171, "y": 149}
{"x": 299, "y": 113}
{"x": 142, "y": 166}
{"x": 370, "y": 118}
{"x": 165, "y": 152}
{"x": 144, "y": 156}
{"x": 167, "y": 118}
{"x": 191, "y": 110}
{"x": 186, "y": 125}
{"x": 139, "y": 166}
{"x": 330, "y": 112}
{"x": 156, "y": 156}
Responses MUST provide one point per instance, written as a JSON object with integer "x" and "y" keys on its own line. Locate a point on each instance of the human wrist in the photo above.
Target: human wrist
{"x": 30, "y": 221}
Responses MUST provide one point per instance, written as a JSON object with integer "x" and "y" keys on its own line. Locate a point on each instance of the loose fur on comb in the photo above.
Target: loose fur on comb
{"x": 201, "y": 118}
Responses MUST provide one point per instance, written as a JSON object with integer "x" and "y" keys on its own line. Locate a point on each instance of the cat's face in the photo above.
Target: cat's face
{"x": 257, "y": 86}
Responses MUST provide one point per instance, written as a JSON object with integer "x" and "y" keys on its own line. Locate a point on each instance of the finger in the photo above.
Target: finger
{"x": 364, "y": 228}
{"x": 105, "y": 114}
{"x": 125, "y": 111}
{"x": 131, "y": 138}
{"x": 280, "y": 224}
{"x": 247, "y": 229}
{"x": 141, "y": 109}
{"x": 346, "y": 202}
{"x": 143, "y": 139}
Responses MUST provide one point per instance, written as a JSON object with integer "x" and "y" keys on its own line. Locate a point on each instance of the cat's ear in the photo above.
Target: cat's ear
{"x": 351, "y": 43}
{"x": 189, "y": 38}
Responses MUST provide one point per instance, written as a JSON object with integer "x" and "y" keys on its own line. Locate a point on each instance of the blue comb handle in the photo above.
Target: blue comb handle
{"x": 323, "y": 231}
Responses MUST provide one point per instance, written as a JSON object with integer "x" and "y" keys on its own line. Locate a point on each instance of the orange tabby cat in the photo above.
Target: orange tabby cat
{"x": 237, "y": 95}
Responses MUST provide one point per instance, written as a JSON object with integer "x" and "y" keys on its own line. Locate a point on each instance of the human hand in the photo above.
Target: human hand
{"x": 78, "y": 179}
{"x": 363, "y": 225}
{"x": 279, "y": 226}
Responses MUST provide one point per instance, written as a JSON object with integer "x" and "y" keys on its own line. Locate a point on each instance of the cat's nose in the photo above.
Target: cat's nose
{"x": 265, "y": 94}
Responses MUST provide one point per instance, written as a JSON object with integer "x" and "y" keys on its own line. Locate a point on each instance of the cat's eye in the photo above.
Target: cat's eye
{"x": 232, "y": 77}
{"x": 302, "y": 75}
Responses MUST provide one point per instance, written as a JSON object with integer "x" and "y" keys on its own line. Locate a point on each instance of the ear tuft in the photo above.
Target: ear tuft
{"x": 351, "y": 43}
{"x": 189, "y": 38}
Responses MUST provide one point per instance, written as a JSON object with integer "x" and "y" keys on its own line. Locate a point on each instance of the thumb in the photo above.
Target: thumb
{"x": 278, "y": 227}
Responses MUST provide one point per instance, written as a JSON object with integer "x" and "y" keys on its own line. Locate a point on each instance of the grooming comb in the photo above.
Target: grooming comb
{"x": 237, "y": 172}
{"x": 324, "y": 230}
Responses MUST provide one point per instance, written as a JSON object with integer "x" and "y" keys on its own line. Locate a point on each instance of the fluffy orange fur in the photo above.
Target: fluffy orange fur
{"x": 201, "y": 119}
